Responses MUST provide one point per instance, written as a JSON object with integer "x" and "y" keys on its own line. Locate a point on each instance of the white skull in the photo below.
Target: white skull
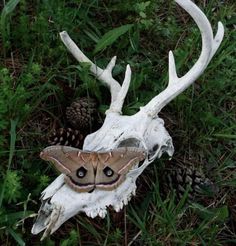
{"x": 143, "y": 130}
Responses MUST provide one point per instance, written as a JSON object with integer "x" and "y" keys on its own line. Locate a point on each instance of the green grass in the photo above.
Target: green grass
{"x": 39, "y": 78}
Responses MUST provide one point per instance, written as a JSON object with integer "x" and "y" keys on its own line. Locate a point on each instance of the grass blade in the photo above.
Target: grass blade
{"x": 227, "y": 136}
{"x": 11, "y": 218}
{"x": 110, "y": 37}
{"x": 16, "y": 237}
{"x": 8, "y": 8}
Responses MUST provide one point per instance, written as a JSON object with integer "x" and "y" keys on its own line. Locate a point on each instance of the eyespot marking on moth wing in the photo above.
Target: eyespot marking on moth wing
{"x": 108, "y": 171}
{"x": 81, "y": 172}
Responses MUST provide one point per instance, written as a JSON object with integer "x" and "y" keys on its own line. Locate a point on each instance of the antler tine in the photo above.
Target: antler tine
{"x": 116, "y": 106}
{"x": 105, "y": 75}
{"x": 210, "y": 45}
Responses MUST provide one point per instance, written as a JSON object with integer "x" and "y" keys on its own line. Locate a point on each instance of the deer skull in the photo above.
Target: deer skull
{"x": 143, "y": 130}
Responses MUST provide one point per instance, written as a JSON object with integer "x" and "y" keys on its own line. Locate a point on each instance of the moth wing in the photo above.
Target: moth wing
{"x": 113, "y": 166}
{"x": 121, "y": 160}
{"x": 65, "y": 159}
{"x": 72, "y": 161}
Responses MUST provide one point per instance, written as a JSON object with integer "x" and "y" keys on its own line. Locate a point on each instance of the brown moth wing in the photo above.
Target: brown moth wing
{"x": 72, "y": 162}
{"x": 113, "y": 166}
{"x": 59, "y": 156}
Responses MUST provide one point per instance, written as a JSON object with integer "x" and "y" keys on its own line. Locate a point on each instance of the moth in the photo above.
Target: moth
{"x": 84, "y": 171}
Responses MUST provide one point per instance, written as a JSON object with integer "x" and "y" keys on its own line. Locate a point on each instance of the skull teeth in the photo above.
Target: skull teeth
{"x": 102, "y": 213}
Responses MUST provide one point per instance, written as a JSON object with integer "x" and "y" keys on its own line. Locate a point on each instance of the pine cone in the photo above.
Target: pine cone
{"x": 66, "y": 137}
{"x": 80, "y": 114}
{"x": 182, "y": 179}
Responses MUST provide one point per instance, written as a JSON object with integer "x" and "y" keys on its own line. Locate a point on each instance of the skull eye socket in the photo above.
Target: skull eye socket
{"x": 108, "y": 171}
{"x": 81, "y": 172}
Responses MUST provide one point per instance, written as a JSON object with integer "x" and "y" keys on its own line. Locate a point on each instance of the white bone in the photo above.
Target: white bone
{"x": 143, "y": 129}
{"x": 209, "y": 47}
{"x": 105, "y": 75}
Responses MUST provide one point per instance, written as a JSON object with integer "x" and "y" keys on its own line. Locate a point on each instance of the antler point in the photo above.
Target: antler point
{"x": 128, "y": 68}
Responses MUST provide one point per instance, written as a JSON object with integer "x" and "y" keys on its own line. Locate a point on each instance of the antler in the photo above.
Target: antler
{"x": 210, "y": 45}
{"x": 118, "y": 92}
{"x": 176, "y": 85}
